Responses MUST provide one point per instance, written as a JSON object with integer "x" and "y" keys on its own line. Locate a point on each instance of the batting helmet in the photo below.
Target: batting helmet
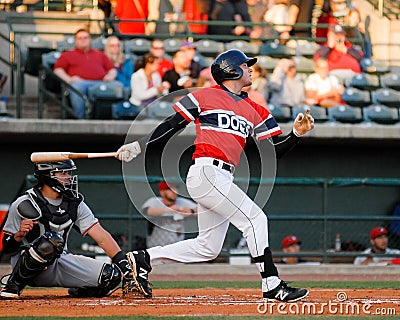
{"x": 45, "y": 174}
{"x": 226, "y": 65}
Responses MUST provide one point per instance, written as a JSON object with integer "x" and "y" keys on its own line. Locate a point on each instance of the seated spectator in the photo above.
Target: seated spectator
{"x": 166, "y": 215}
{"x": 259, "y": 80}
{"x": 189, "y": 48}
{"x": 285, "y": 85}
{"x": 343, "y": 59}
{"x": 3, "y": 79}
{"x": 379, "y": 243}
{"x": 157, "y": 50}
{"x": 204, "y": 81}
{"x": 291, "y": 244}
{"x": 358, "y": 29}
{"x": 322, "y": 88}
{"x": 179, "y": 77}
{"x": 146, "y": 85}
{"x": 300, "y": 12}
{"x": 228, "y": 10}
{"x": 206, "y": 73}
{"x": 278, "y": 14}
{"x": 333, "y": 12}
{"x": 257, "y": 9}
{"x": 124, "y": 67}
{"x": 84, "y": 67}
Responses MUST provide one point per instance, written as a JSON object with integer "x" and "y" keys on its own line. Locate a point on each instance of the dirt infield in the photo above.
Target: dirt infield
{"x": 204, "y": 301}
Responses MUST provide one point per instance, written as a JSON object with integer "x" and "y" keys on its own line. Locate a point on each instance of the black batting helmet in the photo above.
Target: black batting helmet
{"x": 226, "y": 65}
{"x": 45, "y": 174}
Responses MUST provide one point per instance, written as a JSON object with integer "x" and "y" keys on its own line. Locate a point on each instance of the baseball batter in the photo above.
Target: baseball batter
{"x": 36, "y": 234}
{"x": 224, "y": 118}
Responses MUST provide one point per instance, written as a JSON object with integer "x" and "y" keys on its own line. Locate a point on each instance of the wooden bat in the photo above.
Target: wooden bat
{"x": 60, "y": 156}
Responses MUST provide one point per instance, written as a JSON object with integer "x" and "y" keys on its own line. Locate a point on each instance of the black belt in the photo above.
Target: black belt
{"x": 225, "y": 166}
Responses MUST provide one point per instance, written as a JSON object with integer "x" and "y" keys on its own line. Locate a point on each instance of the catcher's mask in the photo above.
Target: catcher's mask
{"x": 58, "y": 176}
{"x": 227, "y": 65}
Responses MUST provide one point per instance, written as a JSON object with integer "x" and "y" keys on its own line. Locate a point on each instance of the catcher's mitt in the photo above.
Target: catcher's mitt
{"x": 130, "y": 287}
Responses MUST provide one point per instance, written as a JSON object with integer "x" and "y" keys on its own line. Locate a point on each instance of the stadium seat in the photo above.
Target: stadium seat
{"x": 67, "y": 44}
{"x": 280, "y": 113}
{"x": 304, "y": 65}
{"x": 124, "y": 110}
{"x": 102, "y": 97}
{"x": 248, "y": 48}
{"x": 209, "y": 48}
{"x": 357, "y": 98}
{"x": 345, "y": 114}
{"x": 32, "y": 48}
{"x": 204, "y": 62}
{"x": 373, "y": 66}
{"x": 381, "y": 114}
{"x": 267, "y": 63}
{"x": 99, "y": 43}
{"x": 276, "y": 50}
{"x": 364, "y": 81}
{"x": 391, "y": 80}
{"x": 171, "y": 45}
{"x": 48, "y": 61}
{"x": 306, "y": 48}
{"x": 137, "y": 46}
{"x": 159, "y": 109}
{"x": 387, "y": 97}
{"x": 318, "y": 113}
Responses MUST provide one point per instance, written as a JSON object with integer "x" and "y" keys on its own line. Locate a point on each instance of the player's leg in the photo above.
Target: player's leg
{"x": 84, "y": 276}
{"x": 32, "y": 262}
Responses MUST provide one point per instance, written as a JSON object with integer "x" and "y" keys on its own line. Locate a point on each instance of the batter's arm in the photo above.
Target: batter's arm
{"x": 283, "y": 144}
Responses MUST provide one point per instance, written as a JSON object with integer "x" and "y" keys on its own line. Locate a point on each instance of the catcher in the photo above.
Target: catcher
{"x": 36, "y": 233}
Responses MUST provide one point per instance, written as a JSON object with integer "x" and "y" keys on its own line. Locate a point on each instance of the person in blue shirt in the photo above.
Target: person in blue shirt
{"x": 124, "y": 66}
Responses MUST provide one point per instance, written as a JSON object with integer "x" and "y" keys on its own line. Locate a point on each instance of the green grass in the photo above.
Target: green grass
{"x": 256, "y": 284}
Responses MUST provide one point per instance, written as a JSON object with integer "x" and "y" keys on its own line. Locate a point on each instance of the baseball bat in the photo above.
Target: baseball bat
{"x": 60, "y": 156}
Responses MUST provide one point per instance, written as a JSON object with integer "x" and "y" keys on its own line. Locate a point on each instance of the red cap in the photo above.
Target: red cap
{"x": 377, "y": 231}
{"x": 165, "y": 186}
{"x": 289, "y": 240}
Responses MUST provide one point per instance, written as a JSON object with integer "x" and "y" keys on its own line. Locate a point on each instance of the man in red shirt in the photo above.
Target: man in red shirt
{"x": 157, "y": 50}
{"x": 84, "y": 67}
{"x": 343, "y": 59}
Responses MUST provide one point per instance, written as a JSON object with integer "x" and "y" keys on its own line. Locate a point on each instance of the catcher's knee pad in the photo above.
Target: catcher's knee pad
{"x": 47, "y": 247}
{"x": 110, "y": 277}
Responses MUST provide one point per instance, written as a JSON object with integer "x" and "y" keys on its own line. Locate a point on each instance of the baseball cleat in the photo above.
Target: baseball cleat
{"x": 140, "y": 265}
{"x": 284, "y": 293}
{"x": 9, "y": 291}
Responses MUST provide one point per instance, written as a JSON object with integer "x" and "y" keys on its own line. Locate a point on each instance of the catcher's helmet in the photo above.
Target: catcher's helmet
{"x": 45, "y": 174}
{"x": 226, "y": 65}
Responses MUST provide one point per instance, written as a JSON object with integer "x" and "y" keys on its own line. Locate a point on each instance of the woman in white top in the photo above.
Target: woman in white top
{"x": 146, "y": 84}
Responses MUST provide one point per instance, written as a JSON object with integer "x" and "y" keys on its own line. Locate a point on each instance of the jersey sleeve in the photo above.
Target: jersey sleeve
{"x": 85, "y": 219}
{"x": 189, "y": 106}
{"x": 267, "y": 127}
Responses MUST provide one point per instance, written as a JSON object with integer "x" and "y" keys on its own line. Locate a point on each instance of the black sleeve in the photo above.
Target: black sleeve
{"x": 283, "y": 144}
{"x": 165, "y": 130}
{"x": 10, "y": 245}
{"x": 323, "y": 52}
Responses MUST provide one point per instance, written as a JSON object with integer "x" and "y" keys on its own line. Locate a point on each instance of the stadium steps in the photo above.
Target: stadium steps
{"x": 30, "y": 108}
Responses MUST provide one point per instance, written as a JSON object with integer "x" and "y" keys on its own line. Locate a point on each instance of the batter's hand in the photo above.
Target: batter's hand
{"x": 303, "y": 123}
{"x": 128, "y": 151}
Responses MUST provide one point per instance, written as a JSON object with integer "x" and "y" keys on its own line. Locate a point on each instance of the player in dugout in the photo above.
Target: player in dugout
{"x": 224, "y": 118}
{"x": 36, "y": 233}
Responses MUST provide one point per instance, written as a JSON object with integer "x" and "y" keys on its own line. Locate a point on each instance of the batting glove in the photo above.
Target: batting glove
{"x": 128, "y": 151}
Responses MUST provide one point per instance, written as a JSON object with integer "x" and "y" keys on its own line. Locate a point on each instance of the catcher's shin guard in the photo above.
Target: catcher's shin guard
{"x": 32, "y": 262}
{"x": 109, "y": 280}
{"x": 140, "y": 265}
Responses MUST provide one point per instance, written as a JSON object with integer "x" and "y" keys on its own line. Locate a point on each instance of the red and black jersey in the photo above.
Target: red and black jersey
{"x": 223, "y": 122}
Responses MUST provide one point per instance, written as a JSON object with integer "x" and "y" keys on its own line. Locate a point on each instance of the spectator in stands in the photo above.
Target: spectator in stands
{"x": 196, "y": 10}
{"x": 84, "y": 67}
{"x": 229, "y": 10}
{"x": 157, "y": 50}
{"x": 300, "y": 12}
{"x": 179, "y": 77}
{"x": 379, "y": 243}
{"x": 3, "y": 79}
{"x": 132, "y": 10}
{"x": 166, "y": 215}
{"x": 291, "y": 244}
{"x": 206, "y": 73}
{"x": 322, "y": 88}
{"x": 257, "y": 9}
{"x": 278, "y": 14}
{"x": 124, "y": 67}
{"x": 343, "y": 59}
{"x": 146, "y": 85}
{"x": 204, "y": 81}
{"x": 286, "y": 87}
{"x": 333, "y": 12}
{"x": 358, "y": 30}
{"x": 189, "y": 48}
{"x": 259, "y": 80}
